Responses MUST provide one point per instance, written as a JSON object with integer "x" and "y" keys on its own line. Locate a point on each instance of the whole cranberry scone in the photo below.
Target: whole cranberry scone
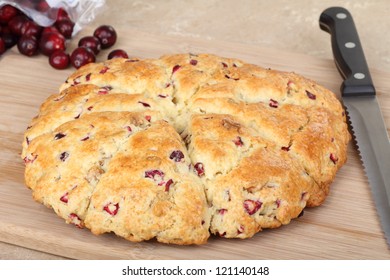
{"x": 183, "y": 146}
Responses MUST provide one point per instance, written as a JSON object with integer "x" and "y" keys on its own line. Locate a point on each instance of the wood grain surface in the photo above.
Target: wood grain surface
{"x": 346, "y": 226}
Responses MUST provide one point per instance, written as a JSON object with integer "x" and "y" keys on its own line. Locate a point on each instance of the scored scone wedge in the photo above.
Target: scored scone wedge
{"x": 150, "y": 179}
{"x": 84, "y": 170}
{"x": 183, "y": 146}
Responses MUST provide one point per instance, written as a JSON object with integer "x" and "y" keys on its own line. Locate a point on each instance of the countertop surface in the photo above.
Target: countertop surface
{"x": 281, "y": 24}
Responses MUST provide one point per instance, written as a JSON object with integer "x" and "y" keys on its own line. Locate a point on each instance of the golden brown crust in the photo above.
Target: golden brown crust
{"x": 177, "y": 147}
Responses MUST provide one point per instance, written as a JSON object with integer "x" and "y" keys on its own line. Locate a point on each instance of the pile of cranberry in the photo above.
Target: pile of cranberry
{"x": 31, "y": 39}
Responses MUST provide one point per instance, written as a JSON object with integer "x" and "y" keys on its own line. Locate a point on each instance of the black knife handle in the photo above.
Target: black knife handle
{"x": 348, "y": 52}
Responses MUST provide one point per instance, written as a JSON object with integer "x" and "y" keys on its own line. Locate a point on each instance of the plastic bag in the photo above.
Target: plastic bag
{"x": 44, "y": 12}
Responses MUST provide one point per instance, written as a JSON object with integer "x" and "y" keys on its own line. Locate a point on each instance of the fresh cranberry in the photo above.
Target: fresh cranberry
{"x": 111, "y": 208}
{"x": 7, "y": 12}
{"x": 10, "y": 40}
{"x": 91, "y": 42}
{"x": 193, "y": 62}
{"x": 62, "y": 14}
{"x": 28, "y": 45}
{"x": 16, "y": 23}
{"x": 82, "y": 56}
{"x": 177, "y": 155}
{"x": 51, "y": 42}
{"x": 252, "y": 206}
{"x": 65, "y": 27}
{"x": 2, "y": 46}
{"x": 106, "y": 34}
{"x": 50, "y": 29}
{"x": 118, "y": 53}
{"x": 59, "y": 59}
{"x": 42, "y": 6}
{"x": 30, "y": 28}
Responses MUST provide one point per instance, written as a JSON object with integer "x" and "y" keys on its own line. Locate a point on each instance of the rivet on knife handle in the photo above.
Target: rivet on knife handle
{"x": 348, "y": 52}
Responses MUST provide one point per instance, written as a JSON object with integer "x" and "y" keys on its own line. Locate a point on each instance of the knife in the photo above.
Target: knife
{"x": 363, "y": 111}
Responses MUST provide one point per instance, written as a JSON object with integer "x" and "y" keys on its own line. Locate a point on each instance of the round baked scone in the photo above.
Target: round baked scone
{"x": 183, "y": 146}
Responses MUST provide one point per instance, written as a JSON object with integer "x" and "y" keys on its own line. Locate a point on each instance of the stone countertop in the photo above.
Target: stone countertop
{"x": 280, "y": 24}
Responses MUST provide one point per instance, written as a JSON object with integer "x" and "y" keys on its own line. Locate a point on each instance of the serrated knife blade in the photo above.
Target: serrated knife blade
{"x": 363, "y": 111}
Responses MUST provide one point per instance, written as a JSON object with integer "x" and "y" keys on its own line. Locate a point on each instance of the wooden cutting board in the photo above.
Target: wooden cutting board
{"x": 346, "y": 226}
